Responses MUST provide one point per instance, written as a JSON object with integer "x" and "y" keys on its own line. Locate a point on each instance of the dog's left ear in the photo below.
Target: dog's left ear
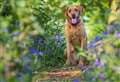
{"x": 65, "y": 9}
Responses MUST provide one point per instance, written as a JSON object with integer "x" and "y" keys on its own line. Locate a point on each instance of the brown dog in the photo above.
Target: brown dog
{"x": 75, "y": 33}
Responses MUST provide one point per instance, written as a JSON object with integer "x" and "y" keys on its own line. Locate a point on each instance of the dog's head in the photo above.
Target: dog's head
{"x": 72, "y": 13}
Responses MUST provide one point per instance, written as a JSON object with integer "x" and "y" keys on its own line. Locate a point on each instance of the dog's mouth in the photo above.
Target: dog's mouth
{"x": 74, "y": 20}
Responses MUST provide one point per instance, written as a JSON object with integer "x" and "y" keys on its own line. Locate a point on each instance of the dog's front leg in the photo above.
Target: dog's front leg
{"x": 83, "y": 44}
{"x": 83, "y": 60}
{"x": 70, "y": 54}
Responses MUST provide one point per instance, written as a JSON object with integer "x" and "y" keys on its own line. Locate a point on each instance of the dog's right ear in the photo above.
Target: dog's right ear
{"x": 65, "y": 10}
{"x": 81, "y": 7}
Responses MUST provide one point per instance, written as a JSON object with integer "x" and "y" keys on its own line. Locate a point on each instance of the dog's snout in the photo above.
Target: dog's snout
{"x": 73, "y": 15}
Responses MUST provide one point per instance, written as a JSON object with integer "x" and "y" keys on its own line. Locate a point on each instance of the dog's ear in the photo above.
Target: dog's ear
{"x": 65, "y": 10}
{"x": 81, "y": 8}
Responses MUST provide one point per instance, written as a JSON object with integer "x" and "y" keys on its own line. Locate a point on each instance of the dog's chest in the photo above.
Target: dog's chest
{"x": 75, "y": 34}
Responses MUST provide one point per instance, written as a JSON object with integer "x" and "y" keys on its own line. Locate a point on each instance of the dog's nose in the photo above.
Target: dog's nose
{"x": 73, "y": 15}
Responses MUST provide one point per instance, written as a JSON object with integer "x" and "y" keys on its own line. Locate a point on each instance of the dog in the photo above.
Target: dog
{"x": 75, "y": 34}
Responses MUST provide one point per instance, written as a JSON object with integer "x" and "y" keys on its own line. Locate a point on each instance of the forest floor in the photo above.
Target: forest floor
{"x": 72, "y": 74}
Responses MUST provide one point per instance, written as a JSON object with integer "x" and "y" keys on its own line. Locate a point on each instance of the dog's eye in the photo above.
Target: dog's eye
{"x": 69, "y": 10}
{"x": 76, "y": 10}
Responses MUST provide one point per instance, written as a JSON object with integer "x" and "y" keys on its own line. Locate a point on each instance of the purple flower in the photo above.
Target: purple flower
{"x": 15, "y": 33}
{"x": 58, "y": 37}
{"x": 76, "y": 80}
{"x": 105, "y": 32}
{"x": 97, "y": 62}
{"x": 110, "y": 28}
{"x": 19, "y": 77}
{"x": 97, "y": 38}
{"x": 117, "y": 34}
{"x": 41, "y": 53}
{"x": 101, "y": 76}
{"x": 39, "y": 40}
{"x": 27, "y": 69}
{"x": 35, "y": 51}
{"x": 94, "y": 78}
{"x": 90, "y": 45}
{"x": 6, "y": 30}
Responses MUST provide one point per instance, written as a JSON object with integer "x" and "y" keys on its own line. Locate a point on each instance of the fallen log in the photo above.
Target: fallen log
{"x": 59, "y": 73}
{"x": 65, "y": 73}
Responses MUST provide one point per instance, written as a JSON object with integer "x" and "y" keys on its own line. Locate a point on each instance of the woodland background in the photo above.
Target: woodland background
{"x": 32, "y": 39}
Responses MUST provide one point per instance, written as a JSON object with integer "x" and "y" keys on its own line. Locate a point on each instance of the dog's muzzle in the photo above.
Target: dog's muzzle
{"x": 74, "y": 21}
{"x": 75, "y": 18}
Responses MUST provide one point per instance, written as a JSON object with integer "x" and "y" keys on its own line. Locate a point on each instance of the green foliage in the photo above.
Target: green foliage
{"x": 32, "y": 38}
